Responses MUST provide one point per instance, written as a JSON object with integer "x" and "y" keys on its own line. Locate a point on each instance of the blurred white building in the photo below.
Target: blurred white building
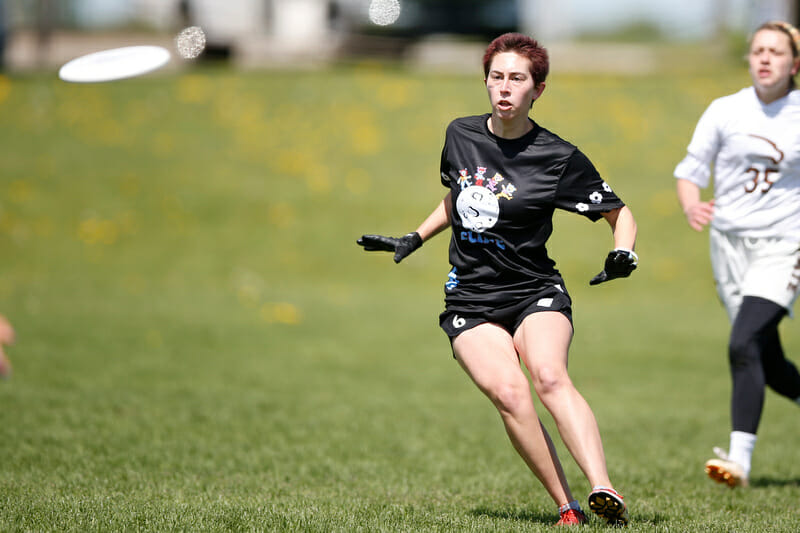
{"x": 554, "y": 18}
{"x": 307, "y": 21}
{"x": 306, "y": 32}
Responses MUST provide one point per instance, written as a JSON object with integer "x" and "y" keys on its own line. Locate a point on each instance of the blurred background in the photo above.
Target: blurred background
{"x": 36, "y": 34}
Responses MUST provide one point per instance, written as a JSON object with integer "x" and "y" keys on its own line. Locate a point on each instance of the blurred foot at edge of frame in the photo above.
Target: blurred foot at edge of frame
{"x": 6, "y": 338}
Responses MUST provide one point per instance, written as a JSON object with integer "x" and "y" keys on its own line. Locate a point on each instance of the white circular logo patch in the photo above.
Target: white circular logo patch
{"x": 478, "y": 207}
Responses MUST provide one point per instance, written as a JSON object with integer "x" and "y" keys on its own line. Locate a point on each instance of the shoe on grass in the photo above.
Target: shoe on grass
{"x": 571, "y": 517}
{"x": 728, "y": 472}
{"x": 607, "y": 503}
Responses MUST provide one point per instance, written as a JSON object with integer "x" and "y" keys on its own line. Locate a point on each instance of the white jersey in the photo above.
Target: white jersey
{"x": 755, "y": 152}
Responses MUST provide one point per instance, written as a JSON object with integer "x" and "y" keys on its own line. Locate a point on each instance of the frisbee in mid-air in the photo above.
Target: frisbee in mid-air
{"x": 114, "y": 64}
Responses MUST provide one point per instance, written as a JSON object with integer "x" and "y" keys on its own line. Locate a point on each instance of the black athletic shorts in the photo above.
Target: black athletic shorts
{"x": 508, "y": 310}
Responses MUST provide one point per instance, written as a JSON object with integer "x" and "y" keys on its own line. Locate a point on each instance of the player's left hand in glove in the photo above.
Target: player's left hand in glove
{"x": 402, "y": 246}
{"x": 619, "y": 264}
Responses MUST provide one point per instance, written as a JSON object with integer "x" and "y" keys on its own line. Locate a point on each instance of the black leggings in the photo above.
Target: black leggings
{"x": 757, "y": 360}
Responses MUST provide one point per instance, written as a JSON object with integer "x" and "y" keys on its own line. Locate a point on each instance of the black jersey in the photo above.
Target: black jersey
{"x": 504, "y": 194}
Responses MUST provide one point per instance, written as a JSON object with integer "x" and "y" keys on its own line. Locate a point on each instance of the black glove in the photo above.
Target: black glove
{"x": 619, "y": 264}
{"x": 402, "y": 247}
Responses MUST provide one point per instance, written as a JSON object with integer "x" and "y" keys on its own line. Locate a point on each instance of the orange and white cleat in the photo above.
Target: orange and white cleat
{"x": 723, "y": 470}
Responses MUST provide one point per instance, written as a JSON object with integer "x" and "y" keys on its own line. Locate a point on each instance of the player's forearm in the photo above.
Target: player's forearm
{"x": 437, "y": 221}
{"x": 624, "y": 229}
{"x": 698, "y": 213}
{"x": 688, "y": 194}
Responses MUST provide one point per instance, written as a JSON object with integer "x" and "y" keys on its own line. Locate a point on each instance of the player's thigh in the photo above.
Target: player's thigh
{"x": 729, "y": 262}
{"x": 774, "y": 273}
{"x": 486, "y": 353}
{"x": 542, "y": 341}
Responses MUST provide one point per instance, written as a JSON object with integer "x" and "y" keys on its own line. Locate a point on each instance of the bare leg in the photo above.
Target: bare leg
{"x": 487, "y": 354}
{"x": 6, "y": 337}
{"x": 543, "y": 342}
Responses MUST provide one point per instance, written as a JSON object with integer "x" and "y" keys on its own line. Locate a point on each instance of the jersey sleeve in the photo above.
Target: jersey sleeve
{"x": 444, "y": 165}
{"x": 702, "y": 150}
{"x": 581, "y": 189}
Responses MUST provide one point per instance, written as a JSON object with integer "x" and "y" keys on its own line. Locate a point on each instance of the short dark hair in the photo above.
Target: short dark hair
{"x": 524, "y": 46}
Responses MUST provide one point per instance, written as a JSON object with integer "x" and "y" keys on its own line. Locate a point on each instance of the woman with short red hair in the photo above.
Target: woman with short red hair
{"x": 505, "y": 302}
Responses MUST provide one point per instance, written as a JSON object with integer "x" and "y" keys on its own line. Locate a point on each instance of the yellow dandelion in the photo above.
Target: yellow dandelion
{"x": 97, "y": 231}
{"x": 396, "y": 94}
{"x": 281, "y": 313}
{"x": 366, "y": 139}
{"x": 290, "y": 162}
{"x": 194, "y": 89}
{"x": 20, "y": 191}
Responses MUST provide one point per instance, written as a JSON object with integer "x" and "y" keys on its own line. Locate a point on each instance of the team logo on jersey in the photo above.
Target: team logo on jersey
{"x": 478, "y": 204}
{"x": 764, "y": 175}
{"x": 774, "y": 154}
{"x": 478, "y": 207}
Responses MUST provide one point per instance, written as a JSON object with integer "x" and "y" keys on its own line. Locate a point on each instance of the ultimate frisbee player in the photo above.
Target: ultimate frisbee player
{"x": 752, "y": 139}
{"x": 505, "y": 302}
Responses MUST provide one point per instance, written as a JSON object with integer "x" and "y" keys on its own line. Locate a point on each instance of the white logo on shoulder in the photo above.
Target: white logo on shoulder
{"x": 478, "y": 207}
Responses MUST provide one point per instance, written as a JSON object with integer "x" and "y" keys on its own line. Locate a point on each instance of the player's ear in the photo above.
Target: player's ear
{"x": 539, "y": 90}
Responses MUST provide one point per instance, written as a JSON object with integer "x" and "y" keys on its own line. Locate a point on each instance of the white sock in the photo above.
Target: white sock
{"x": 571, "y": 505}
{"x": 741, "y": 449}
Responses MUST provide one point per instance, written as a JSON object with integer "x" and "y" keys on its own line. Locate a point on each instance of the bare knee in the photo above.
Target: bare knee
{"x": 549, "y": 382}
{"x": 511, "y": 398}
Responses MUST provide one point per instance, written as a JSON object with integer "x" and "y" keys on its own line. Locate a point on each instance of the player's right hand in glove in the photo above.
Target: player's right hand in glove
{"x": 619, "y": 264}
{"x": 402, "y": 246}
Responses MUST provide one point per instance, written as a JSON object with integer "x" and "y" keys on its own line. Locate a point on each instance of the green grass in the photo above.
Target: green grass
{"x": 202, "y": 346}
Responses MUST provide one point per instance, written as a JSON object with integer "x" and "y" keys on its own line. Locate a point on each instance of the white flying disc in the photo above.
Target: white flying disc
{"x": 114, "y": 64}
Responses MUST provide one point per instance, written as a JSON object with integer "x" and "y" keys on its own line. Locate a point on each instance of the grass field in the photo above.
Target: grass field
{"x": 203, "y": 347}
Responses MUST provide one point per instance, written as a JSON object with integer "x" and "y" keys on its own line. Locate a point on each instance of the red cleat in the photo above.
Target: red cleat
{"x": 571, "y": 517}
